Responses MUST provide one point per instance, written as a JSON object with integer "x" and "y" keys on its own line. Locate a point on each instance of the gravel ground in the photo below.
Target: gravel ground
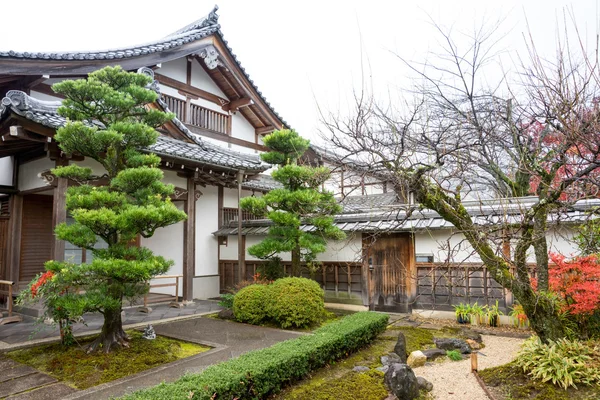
{"x": 452, "y": 380}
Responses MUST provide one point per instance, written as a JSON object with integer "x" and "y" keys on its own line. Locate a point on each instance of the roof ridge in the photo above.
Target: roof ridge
{"x": 210, "y": 20}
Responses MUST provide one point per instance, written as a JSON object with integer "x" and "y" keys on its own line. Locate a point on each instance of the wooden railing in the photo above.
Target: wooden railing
{"x": 9, "y": 301}
{"x": 230, "y": 214}
{"x": 199, "y": 116}
{"x": 175, "y": 304}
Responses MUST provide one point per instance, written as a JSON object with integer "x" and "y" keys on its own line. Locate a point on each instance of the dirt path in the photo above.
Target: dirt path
{"x": 453, "y": 380}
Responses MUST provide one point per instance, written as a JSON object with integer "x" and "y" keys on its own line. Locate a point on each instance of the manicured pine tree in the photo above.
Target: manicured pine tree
{"x": 300, "y": 202}
{"x": 109, "y": 121}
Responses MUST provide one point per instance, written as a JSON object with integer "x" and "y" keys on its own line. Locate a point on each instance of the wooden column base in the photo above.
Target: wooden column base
{"x": 11, "y": 320}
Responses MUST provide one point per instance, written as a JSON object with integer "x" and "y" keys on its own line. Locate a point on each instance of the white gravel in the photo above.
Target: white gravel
{"x": 453, "y": 380}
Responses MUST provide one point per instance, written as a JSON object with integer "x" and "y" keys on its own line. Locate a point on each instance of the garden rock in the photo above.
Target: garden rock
{"x": 400, "y": 348}
{"x": 433, "y": 354}
{"x": 402, "y": 382}
{"x": 360, "y": 368}
{"x": 424, "y": 384}
{"x": 471, "y": 334}
{"x": 383, "y": 369}
{"x": 226, "y": 314}
{"x": 391, "y": 358}
{"x": 453, "y": 344}
{"x": 473, "y": 344}
{"x": 416, "y": 359}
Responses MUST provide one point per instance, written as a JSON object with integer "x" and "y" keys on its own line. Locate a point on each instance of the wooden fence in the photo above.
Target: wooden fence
{"x": 334, "y": 277}
{"x": 441, "y": 286}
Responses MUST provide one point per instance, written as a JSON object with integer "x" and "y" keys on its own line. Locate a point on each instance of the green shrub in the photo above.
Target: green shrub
{"x": 454, "y": 355}
{"x": 564, "y": 362}
{"x": 260, "y": 373}
{"x": 249, "y": 304}
{"x": 295, "y": 302}
{"x": 226, "y": 300}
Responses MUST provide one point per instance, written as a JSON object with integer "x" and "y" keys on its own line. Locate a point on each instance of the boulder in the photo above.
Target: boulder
{"x": 391, "y": 358}
{"x": 424, "y": 384}
{"x": 226, "y": 313}
{"x": 471, "y": 334}
{"x": 416, "y": 359}
{"x": 360, "y": 368}
{"x": 433, "y": 354}
{"x": 400, "y": 348}
{"x": 383, "y": 369}
{"x": 453, "y": 344}
{"x": 402, "y": 382}
{"x": 473, "y": 344}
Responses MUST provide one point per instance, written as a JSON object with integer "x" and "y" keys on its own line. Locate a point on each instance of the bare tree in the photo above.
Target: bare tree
{"x": 456, "y": 136}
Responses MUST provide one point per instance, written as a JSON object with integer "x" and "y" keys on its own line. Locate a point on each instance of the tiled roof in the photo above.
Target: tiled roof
{"x": 262, "y": 183}
{"x": 502, "y": 211}
{"x": 45, "y": 113}
{"x": 358, "y": 204}
{"x": 204, "y": 27}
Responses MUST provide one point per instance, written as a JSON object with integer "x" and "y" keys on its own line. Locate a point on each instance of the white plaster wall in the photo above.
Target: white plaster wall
{"x": 206, "y": 287}
{"x": 230, "y": 197}
{"x": 207, "y": 213}
{"x": 6, "y": 171}
{"x": 241, "y": 128}
{"x": 176, "y": 69}
{"x": 29, "y": 173}
{"x": 439, "y": 242}
{"x": 168, "y": 242}
{"x": 200, "y": 79}
{"x": 43, "y": 96}
{"x": 97, "y": 168}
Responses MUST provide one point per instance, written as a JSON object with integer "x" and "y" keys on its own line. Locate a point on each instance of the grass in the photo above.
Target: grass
{"x": 75, "y": 368}
{"x": 454, "y": 355}
{"x": 509, "y": 382}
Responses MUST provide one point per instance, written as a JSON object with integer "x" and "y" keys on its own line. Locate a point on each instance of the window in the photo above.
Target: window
{"x": 424, "y": 258}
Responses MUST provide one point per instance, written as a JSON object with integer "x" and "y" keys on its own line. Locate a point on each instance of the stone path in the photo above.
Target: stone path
{"x": 13, "y": 335}
{"x": 453, "y": 380}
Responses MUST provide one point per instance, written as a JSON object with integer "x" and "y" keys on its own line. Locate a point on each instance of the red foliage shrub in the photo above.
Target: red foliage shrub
{"x": 577, "y": 281}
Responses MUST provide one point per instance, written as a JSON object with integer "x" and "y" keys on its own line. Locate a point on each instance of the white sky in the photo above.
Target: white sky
{"x": 298, "y": 53}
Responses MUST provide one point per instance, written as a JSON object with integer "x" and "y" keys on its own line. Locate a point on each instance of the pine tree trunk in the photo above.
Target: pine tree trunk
{"x": 112, "y": 334}
{"x": 296, "y": 261}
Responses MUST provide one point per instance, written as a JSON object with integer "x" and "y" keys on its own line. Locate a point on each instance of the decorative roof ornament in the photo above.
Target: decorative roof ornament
{"x": 210, "y": 55}
{"x": 210, "y": 21}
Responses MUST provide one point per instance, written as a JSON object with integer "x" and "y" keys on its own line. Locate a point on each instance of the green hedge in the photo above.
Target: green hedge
{"x": 295, "y": 302}
{"x": 259, "y": 373}
{"x": 249, "y": 304}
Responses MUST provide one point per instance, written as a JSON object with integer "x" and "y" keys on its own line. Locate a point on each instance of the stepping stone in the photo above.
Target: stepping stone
{"x": 16, "y": 371}
{"x": 50, "y": 392}
{"x": 24, "y": 383}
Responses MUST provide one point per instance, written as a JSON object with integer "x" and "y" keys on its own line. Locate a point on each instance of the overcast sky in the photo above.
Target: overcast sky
{"x": 300, "y": 53}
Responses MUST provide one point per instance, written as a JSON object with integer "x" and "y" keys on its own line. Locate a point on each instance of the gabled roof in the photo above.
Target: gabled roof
{"x": 193, "y": 39}
{"x": 45, "y": 113}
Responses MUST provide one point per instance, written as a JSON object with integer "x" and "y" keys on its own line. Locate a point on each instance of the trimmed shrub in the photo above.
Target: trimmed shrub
{"x": 260, "y": 373}
{"x": 295, "y": 302}
{"x": 564, "y": 362}
{"x": 249, "y": 304}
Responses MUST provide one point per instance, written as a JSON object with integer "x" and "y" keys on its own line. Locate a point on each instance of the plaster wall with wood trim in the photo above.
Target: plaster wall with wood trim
{"x": 206, "y": 247}
{"x": 6, "y": 170}
{"x": 29, "y": 174}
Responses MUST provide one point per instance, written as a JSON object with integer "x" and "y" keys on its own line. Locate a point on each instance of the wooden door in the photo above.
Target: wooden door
{"x": 388, "y": 259}
{"x": 36, "y": 235}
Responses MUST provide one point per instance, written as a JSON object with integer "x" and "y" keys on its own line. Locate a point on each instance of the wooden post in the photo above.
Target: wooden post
{"x": 474, "y": 361}
{"x": 189, "y": 239}
{"x": 13, "y": 256}
{"x": 59, "y": 215}
{"x": 241, "y": 239}
{"x": 11, "y": 318}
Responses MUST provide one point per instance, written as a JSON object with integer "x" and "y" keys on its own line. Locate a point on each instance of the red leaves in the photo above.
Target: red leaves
{"x": 42, "y": 280}
{"x": 577, "y": 281}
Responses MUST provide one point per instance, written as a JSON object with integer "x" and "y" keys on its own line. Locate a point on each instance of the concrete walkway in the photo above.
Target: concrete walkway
{"x": 29, "y": 332}
{"x": 228, "y": 339}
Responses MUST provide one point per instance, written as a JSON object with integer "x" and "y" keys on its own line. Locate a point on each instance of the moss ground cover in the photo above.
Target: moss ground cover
{"x": 509, "y": 382}
{"x": 75, "y": 368}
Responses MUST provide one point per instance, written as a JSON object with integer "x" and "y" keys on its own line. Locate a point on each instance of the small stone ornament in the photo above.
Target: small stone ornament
{"x": 149, "y": 333}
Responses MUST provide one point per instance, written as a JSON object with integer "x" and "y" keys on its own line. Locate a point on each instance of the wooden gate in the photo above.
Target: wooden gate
{"x": 36, "y": 235}
{"x": 389, "y": 260}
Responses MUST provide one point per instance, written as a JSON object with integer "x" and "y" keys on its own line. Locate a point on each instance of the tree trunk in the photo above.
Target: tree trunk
{"x": 112, "y": 334}
{"x": 296, "y": 261}
{"x": 542, "y": 314}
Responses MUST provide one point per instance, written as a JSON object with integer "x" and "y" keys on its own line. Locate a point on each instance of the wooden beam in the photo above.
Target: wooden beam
{"x": 59, "y": 212}
{"x": 189, "y": 241}
{"x": 241, "y": 238}
{"x": 188, "y": 89}
{"x": 235, "y": 105}
{"x": 264, "y": 130}
{"x": 14, "y": 237}
{"x": 225, "y": 138}
{"x": 18, "y": 132}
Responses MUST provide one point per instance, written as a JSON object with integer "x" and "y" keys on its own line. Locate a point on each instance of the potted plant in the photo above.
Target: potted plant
{"x": 493, "y": 315}
{"x": 462, "y": 313}
{"x": 519, "y": 317}
{"x": 477, "y": 313}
